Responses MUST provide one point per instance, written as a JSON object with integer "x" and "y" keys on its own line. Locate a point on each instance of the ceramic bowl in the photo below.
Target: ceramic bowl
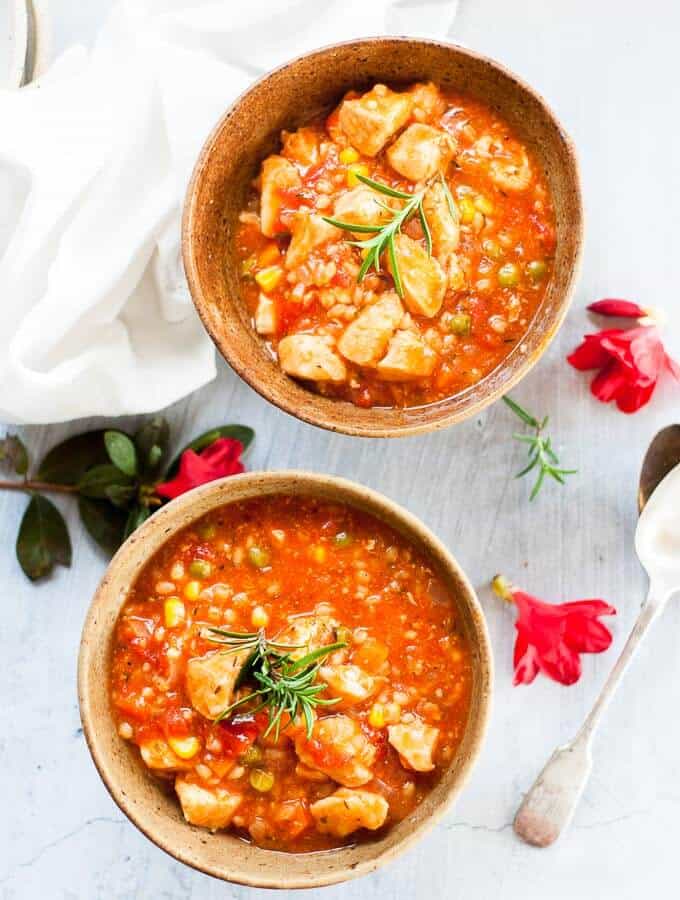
{"x": 155, "y": 811}
{"x": 287, "y": 98}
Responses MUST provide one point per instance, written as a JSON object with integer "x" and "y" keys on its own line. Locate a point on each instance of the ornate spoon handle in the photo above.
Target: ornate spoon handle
{"x": 551, "y": 801}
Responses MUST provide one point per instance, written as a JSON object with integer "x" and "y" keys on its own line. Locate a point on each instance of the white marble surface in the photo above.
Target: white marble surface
{"x": 609, "y": 68}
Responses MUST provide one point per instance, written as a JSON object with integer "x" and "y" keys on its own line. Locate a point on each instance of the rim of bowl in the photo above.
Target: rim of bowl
{"x": 177, "y": 515}
{"x": 348, "y": 425}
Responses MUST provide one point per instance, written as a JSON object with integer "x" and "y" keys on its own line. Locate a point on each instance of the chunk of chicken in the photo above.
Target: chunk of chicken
{"x": 371, "y": 120}
{"x": 423, "y": 279}
{"x": 428, "y": 103}
{"x": 211, "y": 679}
{"x": 158, "y": 754}
{"x": 339, "y": 748}
{"x": 407, "y": 357}
{"x": 348, "y": 682}
{"x": 309, "y": 232}
{"x": 511, "y": 175}
{"x": 443, "y": 218}
{"x": 421, "y": 151}
{"x": 365, "y": 340}
{"x": 266, "y": 318}
{"x": 311, "y": 356}
{"x": 302, "y": 146}
{"x": 307, "y": 633}
{"x": 277, "y": 174}
{"x": 346, "y": 810}
{"x": 414, "y": 742}
{"x": 210, "y": 808}
{"x": 360, "y": 206}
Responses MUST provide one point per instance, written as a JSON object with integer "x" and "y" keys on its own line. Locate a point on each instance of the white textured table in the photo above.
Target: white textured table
{"x": 608, "y": 68}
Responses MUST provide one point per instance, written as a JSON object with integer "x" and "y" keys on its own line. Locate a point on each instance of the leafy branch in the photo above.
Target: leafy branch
{"x": 286, "y": 685}
{"x": 384, "y": 235}
{"x": 541, "y": 454}
{"x": 112, "y": 474}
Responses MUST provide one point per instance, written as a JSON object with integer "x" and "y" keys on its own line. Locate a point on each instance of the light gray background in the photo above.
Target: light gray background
{"x": 611, "y": 71}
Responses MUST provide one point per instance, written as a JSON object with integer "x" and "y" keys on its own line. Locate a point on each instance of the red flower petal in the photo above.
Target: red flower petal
{"x": 219, "y": 459}
{"x": 551, "y": 637}
{"x": 673, "y": 367}
{"x": 525, "y": 660}
{"x": 620, "y": 308}
{"x": 590, "y": 354}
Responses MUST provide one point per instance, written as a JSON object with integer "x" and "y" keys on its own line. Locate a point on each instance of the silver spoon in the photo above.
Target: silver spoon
{"x": 549, "y": 805}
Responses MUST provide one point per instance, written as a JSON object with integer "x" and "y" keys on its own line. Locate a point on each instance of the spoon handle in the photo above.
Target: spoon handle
{"x": 551, "y": 801}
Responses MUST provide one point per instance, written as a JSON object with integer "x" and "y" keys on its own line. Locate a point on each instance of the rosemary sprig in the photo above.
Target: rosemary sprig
{"x": 285, "y": 684}
{"x": 541, "y": 454}
{"x": 384, "y": 235}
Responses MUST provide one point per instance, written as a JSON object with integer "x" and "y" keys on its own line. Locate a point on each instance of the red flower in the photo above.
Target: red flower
{"x": 630, "y": 360}
{"x": 221, "y": 458}
{"x": 550, "y": 637}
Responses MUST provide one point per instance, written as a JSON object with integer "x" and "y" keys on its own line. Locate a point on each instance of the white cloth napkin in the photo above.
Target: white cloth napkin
{"x": 95, "y": 315}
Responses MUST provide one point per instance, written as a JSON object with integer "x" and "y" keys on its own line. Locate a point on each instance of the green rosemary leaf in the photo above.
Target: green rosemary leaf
{"x": 449, "y": 198}
{"x": 383, "y": 188}
{"x": 350, "y": 226}
{"x": 426, "y": 230}
{"x": 525, "y": 416}
{"x": 394, "y": 265}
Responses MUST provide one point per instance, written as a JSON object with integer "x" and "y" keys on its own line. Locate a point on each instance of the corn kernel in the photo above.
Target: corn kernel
{"x": 318, "y": 553}
{"x": 392, "y": 713}
{"x": 466, "y": 208}
{"x": 259, "y": 617}
{"x": 192, "y": 590}
{"x": 483, "y": 204}
{"x": 269, "y": 278}
{"x": 173, "y": 611}
{"x": 353, "y": 171}
{"x": 376, "y": 717}
{"x": 185, "y": 747}
{"x": 348, "y": 155}
{"x": 270, "y": 255}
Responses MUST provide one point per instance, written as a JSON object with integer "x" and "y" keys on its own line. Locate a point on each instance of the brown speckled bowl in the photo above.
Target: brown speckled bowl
{"x": 157, "y": 813}
{"x": 287, "y": 98}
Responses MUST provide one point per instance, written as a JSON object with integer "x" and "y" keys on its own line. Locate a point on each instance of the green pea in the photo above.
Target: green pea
{"x": 252, "y": 756}
{"x": 206, "y": 532}
{"x": 261, "y": 780}
{"x": 343, "y": 539}
{"x": 536, "y": 269}
{"x": 259, "y": 557}
{"x": 199, "y": 568}
{"x": 508, "y": 275}
{"x": 460, "y": 323}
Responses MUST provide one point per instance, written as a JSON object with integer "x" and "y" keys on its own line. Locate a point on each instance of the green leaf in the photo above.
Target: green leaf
{"x": 104, "y": 523}
{"x": 67, "y": 462}
{"x": 43, "y": 539}
{"x": 152, "y": 443}
{"x": 121, "y": 451}
{"x": 13, "y": 454}
{"x": 120, "y": 494}
{"x": 521, "y": 413}
{"x": 351, "y": 226}
{"x": 240, "y": 432}
{"x": 136, "y": 517}
{"x": 98, "y": 479}
{"x": 383, "y": 188}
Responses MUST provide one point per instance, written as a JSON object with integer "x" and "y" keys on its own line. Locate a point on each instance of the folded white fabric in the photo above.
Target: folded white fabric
{"x": 95, "y": 315}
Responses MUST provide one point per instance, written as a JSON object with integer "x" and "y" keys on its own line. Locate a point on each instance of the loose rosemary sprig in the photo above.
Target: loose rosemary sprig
{"x": 540, "y": 450}
{"x": 286, "y": 685}
{"x": 384, "y": 235}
